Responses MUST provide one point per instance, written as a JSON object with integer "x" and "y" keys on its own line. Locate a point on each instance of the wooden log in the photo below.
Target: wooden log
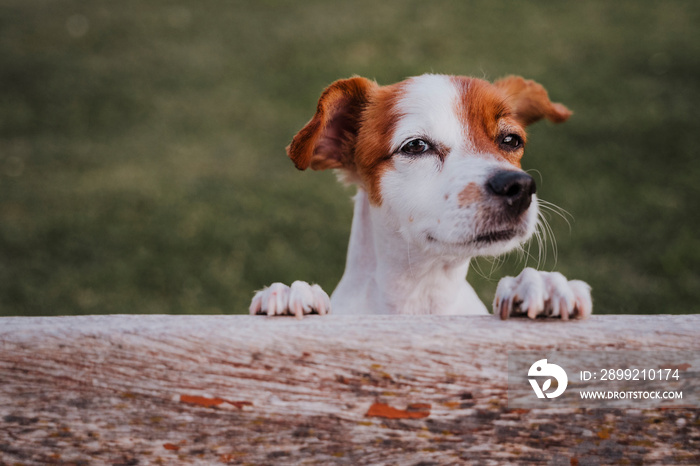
{"x": 321, "y": 390}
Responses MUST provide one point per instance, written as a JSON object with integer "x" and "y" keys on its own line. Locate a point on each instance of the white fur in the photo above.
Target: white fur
{"x": 428, "y": 109}
{"x": 410, "y": 254}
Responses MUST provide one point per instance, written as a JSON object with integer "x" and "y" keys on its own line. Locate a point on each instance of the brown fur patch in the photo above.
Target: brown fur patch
{"x": 530, "y": 101}
{"x": 328, "y": 139}
{"x": 486, "y": 116}
{"x": 351, "y": 130}
{"x": 372, "y": 151}
{"x": 469, "y": 195}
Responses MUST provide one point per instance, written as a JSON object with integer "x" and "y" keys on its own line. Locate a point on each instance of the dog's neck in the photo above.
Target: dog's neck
{"x": 398, "y": 277}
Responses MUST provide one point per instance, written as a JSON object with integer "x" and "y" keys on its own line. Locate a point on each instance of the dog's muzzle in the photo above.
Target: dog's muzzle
{"x": 514, "y": 189}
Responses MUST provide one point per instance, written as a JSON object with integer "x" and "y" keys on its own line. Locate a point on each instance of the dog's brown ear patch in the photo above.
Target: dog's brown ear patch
{"x": 328, "y": 139}
{"x": 530, "y": 101}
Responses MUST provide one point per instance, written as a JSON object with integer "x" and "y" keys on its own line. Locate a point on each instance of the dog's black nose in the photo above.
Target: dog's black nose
{"x": 514, "y": 188}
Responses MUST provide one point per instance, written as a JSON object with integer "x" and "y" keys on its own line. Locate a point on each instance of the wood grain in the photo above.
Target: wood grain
{"x": 322, "y": 390}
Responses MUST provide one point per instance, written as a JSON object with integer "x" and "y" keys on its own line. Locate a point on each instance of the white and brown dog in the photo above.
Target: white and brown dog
{"x": 437, "y": 163}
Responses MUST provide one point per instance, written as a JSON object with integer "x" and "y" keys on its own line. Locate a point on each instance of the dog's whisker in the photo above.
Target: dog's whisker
{"x": 547, "y": 233}
{"x": 498, "y": 263}
{"x": 542, "y": 236}
{"x": 555, "y": 247}
{"x": 476, "y": 266}
{"x": 534, "y": 170}
{"x": 527, "y": 252}
{"x": 541, "y": 245}
{"x": 553, "y": 208}
{"x": 537, "y": 235}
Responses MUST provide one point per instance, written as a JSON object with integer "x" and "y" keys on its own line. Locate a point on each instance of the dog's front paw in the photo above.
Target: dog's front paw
{"x": 297, "y": 300}
{"x": 547, "y": 294}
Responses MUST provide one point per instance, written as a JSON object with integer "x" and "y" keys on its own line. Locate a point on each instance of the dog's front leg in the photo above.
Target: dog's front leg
{"x": 297, "y": 300}
{"x": 542, "y": 294}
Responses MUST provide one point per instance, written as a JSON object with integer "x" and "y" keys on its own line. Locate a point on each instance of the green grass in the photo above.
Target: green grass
{"x": 142, "y": 164}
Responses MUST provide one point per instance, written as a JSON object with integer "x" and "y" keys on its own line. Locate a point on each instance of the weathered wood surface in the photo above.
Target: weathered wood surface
{"x": 240, "y": 389}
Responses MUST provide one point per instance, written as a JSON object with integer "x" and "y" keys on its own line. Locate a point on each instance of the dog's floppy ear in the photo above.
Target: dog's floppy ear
{"x": 328, "y": 139}
{"x": 530, "y": 101}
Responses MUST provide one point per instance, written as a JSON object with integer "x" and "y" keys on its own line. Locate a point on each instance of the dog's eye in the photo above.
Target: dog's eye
{"x": 415, "y": 147}
{"x": 511, "y": 142}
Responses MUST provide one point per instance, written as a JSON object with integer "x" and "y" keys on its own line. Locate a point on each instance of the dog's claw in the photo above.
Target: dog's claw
{"x": 542, "y": 294}
{"x": 297, "y": 300}
{"x": 504, "y": 309}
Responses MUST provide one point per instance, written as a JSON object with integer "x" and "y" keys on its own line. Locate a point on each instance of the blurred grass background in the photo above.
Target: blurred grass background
{"x": 142, "y": 163}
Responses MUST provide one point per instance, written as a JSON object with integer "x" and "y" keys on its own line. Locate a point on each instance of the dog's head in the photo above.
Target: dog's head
{"x": 439, "y": 155}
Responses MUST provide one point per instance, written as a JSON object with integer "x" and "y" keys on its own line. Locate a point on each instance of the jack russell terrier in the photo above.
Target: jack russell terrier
{"x": 436, "y": 160}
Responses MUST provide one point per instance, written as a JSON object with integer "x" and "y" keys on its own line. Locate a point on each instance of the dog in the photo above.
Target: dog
{"x": 437, "y": 163}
